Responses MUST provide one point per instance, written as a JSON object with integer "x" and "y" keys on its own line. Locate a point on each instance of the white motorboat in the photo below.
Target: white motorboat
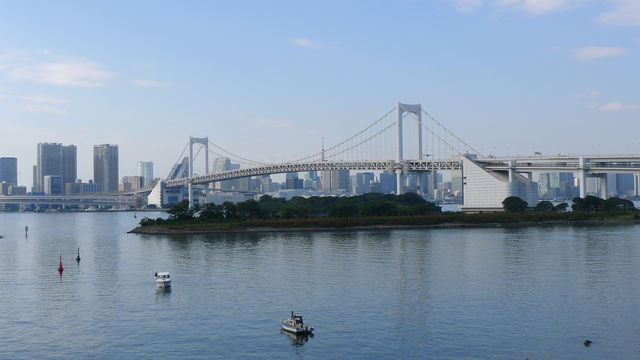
{"x": 163, "y": 279}
{"x": 295, "y": 325}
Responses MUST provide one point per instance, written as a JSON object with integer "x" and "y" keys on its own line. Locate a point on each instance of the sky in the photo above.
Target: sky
{"x": 268, "y": 80}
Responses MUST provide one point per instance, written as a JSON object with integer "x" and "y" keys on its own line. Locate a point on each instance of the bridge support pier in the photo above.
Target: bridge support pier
{"x": 603, "y": 186}
{"x": 399, "y": 178}
{"x": 190, "y": 189}
{"x": 582, "y": 177}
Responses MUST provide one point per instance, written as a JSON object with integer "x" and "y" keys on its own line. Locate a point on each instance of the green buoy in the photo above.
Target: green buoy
{"x": 78, "y": 257}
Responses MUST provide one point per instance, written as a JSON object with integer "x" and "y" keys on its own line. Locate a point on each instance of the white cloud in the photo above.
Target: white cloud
{"x": 536, "y": 7}
{"x": 47, "y": 68}
{"x": 150, "y": 83}
{"x": 597, "y": 52}
{"x": 45, "y": 99}
{"x": 42, "y": 108}
{"x": 613, "y": 106}
{"x": 63, "y": 73}
{"x": 467, "y": 5}
{"x": 589, "y": 94}
{"x": 2, "y": 97}
{"x": 623, "y": 13}
{"x": 306, "y": 43}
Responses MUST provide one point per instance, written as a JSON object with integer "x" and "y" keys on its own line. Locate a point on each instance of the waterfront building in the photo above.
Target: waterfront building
{"x": 52, "y": 184}
{"x": 105, "y": 166}
{"x": 49, "y": 159}
{"x": 80, "y": 188}
{"x": 17, "y": 190}
{"x": 9, "y": 170}
{"x": 69, "y": 164}
{"x": 485, "y": 191}
{"x": 131, "y": 183}
{"x": 145, "y": 171}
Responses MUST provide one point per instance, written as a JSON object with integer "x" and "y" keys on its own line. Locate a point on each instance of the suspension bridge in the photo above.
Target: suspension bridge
{"x": 406, "y": 139}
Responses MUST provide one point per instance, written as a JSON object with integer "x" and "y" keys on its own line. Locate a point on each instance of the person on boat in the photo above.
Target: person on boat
{"x": 156, "y": 274}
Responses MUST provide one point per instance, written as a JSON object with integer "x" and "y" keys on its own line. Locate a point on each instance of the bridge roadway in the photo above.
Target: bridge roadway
{"x": 591, "y": 165}
{"x": 384, "y": 165}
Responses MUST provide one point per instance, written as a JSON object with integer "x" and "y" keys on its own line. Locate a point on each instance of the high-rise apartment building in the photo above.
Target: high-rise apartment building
{"x": 145, "y": 171}
{"x": 69, "y": 165}
{"x": 105, "y": 166}
{"x": 9, "y": 170}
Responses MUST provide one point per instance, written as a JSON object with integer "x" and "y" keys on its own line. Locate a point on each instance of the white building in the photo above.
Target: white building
{"x": 484, "y": 190}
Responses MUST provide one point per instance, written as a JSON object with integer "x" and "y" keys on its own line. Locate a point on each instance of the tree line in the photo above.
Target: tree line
{"x": 268, "y": 207}
{"x": 589, "y": 203}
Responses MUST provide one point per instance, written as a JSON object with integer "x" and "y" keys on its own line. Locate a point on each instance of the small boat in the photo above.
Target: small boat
{"x": 163, "y": 279}
{"x": 295, "y": 325}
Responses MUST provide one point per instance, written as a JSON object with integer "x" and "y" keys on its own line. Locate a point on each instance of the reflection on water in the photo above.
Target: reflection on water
{"x": 297, "y": 339}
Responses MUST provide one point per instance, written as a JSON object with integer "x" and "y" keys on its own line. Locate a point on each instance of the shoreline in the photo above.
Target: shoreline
{"x": 158, "y": 230}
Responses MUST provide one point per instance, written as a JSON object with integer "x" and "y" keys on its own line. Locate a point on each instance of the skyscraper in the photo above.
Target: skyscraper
{"x": 105, "y": 166}
{"x": 69, "y": 165}
{"x": 9, "y": 170}
{"x": 49, "y": 162}
{"x": 145, "y": 171}
{"x": 56, "y": 160}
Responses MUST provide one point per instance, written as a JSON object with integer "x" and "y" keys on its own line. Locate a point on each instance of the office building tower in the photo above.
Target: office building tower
{"x": 34, "y": 187}
{"x": 9, "y": 170}
{"x": 387, "y": 182}
{"x": 624, "y": 184}
{"x": 335, "y": 181}
{"x": 293, "y": 182}
{"x": 105, "y": 166}
{"x": 69, "y": 165}
{"x": 49, "y": 162}
{"x": 145, "y": 171}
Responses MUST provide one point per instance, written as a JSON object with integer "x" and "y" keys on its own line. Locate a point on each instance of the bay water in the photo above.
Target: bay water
{"x": 482, "y": 293}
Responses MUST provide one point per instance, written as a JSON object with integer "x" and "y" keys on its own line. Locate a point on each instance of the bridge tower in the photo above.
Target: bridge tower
{"x": 204, "y": 142}
{"x": 417, "y": 111}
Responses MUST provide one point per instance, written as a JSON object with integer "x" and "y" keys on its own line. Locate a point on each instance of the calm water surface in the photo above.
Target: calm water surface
{"x": 502, "y": 293}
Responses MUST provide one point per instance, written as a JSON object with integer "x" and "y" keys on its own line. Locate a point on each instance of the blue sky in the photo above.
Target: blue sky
{"x": 268, "y": 80}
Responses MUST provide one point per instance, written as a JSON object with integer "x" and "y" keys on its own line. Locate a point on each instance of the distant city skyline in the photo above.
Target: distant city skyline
{"x": 269, "y": 80}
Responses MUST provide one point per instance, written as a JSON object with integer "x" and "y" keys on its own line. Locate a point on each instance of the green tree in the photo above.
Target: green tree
{"x": 344, "y": 211}
{"x": 514, "y": 204}
{"x": 589, "y": 203}
{"x": 180, "y": 211}
{"x": 615, "y": 203}
{"x": 562, "y": 207}
{"x": 249, "y": 209}
{"x": 543, "y": 206}
{"x": 230, "y": 210}
{"x": 212, "y": 212}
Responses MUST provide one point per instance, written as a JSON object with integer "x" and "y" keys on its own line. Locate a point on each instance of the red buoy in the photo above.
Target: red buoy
{"x": 60, "y": 268}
